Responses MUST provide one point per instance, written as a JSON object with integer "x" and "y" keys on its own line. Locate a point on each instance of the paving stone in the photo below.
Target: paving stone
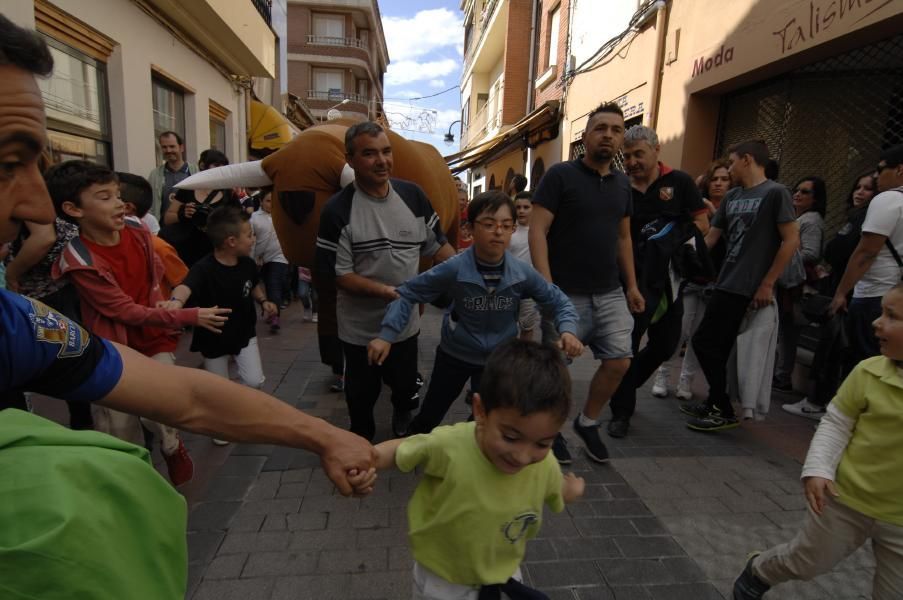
{"x": 330, "y": 504}
{"x": 208, "y": 516}
{"x": 627, "y": 571}
{"x": 789, "y": 501}
{"x": 600, "y": 491}
{"x": 560, "y": 573}
{"x": 648, "y": 526}
{"x": 618, "y": 592}
{"x": 685, "y": 591}
{"x": 242, "y": 466}
{"x": 323, "y": 539}
{"x": 353, "y": 561}
{"x": 271, "y": 564}
{"x": 620, "y": 508}
{"x": 226, "y": 567}
{"x": 662, "y": 489}
{"x": 400, "y": 558}
{"x": 648, "y": 546}
{"x": 296, "y": 476}
{"x": 246, "y": 523}
{"x": 698, "y": 489}
{"x": 229, "y": 488}
{"x": 255, "y": 542}
{"x": 620, "y": 491}
{"x": 372, "y": 518}
{"x": 290, "y": 490}
{"x": 203, "y": 545}
{"x": 595, "y": 526}
{"x": 584, "y": 548}
{"x": 389, "y": 585}
{"x": 235, "y": 589}
{"x": 306, "y": 521}
{"x": 265, "y": 507}
{"x": 744, "y": 504}
{"x": 265, "y": 487}
{"x": 389, "y": 536}
{"x": 274, "y": 522}
{"x": 312, "y": 587}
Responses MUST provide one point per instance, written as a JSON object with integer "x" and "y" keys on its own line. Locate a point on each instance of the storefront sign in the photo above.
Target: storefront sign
{"x": 703, "y": 64}
{"x": 820, "y": 17}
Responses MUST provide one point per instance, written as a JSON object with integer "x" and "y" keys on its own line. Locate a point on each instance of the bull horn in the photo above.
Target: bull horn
{"x": 347, "y": 175}
{"x": 247, "y": 174}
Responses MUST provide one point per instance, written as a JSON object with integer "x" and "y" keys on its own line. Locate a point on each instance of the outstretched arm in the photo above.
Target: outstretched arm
{"x": 385, "y": 452}
{"x": 198, "y": 401}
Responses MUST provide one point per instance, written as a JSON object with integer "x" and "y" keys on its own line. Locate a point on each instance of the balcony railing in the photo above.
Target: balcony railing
{"x": 335, "y": 96}
{"x": 342, "y": 42}
{"x": 265, "y": 8}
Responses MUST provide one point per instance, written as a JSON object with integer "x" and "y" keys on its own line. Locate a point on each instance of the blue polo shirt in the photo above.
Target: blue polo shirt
{"x": 583, "y": 238}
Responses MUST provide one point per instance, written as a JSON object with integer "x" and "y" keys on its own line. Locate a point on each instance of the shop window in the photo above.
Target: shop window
{"x": 169, "y": 111}
{"x": 75, "y": 101}
{"x": 218, "y": 116}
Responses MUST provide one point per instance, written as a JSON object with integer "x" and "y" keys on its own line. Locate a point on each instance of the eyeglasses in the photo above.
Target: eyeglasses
{"x": 803, "y": 191}
{"x": 493, "y": 225}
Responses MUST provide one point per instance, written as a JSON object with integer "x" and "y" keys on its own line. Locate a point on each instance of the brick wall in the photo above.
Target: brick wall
{"x": 517, "y": 58}
{"x": 552, "y": 90}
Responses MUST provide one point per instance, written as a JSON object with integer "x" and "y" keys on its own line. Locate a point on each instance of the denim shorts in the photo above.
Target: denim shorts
{"x": 605, "y": 324}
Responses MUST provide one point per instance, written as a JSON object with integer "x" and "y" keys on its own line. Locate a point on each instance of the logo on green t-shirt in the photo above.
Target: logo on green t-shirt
{"x": 516, "y": 529}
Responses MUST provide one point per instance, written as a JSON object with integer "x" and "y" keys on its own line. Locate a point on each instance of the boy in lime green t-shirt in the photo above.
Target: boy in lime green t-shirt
{"x": 485, "y": 482}
{"x": 853, "y": 476}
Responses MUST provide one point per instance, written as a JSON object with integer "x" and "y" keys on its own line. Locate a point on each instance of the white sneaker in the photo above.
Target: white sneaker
{"x": 314, "y": 318}
{"x": 219, "y": 442}
{"x": 684, "y": 393}
{"x": 660, "y": 385}
{"x": 804, "y": 408}
{"x": 748, "y": 414}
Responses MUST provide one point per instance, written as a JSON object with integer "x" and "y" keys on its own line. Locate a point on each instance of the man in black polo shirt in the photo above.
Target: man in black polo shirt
{"x": 580, "y": 240}
{"x": 660, "y": 195}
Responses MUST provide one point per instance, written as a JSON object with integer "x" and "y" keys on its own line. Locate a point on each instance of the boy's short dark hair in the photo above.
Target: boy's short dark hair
{"x": 524, "y": 196}
{"x": 225, "y": 222}
{"x": 527, "y": 376}
{"x": 519, "y": 182}
{"x": 212, "y": 156}
{"x": 892, "y": 156}
{"x": 136, "y": 190}
{"x": 489, "y": 201}
{"x": 67, "y": 180}
{"x": 757, "y": 149}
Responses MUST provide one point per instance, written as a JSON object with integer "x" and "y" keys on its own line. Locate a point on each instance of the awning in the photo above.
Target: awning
{"x": 267, "y": 128}
{"x": 528, "y": 130}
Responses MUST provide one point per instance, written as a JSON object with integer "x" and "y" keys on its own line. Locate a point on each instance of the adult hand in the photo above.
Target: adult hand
{"x": 815, "y": 492}
{"x": 190, "y": 209}
{"x": 344, "y": 458}
{"x": 838, "y": 304}
{"x": 571, "y": 346}
{"x": 635, "y": 300}
{"x": 213, "y": 318}
{"x": 763, "y": 297}
{"x": 378, "y": 351}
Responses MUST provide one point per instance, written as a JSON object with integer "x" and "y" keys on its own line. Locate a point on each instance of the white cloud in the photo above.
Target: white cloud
{"x": 437, "y": 83}
{"x": 426, "y": 31}
{"x": 407, "y": 94}
{"x": 407, "y": 71}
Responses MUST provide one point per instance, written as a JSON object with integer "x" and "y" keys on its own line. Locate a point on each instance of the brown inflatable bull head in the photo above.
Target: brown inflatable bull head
{"x": 306, "y": 173}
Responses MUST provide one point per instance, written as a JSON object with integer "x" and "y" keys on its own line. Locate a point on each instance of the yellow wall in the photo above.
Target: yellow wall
{"x": 499, "y": 167}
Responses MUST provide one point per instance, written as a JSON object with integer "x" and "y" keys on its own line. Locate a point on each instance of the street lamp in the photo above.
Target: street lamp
{"x": 332, "y": 113}
{"x": 450, "y": 137}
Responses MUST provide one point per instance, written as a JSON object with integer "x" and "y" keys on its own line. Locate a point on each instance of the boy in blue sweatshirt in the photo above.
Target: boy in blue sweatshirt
{"x": 485, "y": 284}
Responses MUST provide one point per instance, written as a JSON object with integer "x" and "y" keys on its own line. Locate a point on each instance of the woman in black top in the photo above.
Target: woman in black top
{"x": 838, "y": 250}
{"x": 185, "y": 221}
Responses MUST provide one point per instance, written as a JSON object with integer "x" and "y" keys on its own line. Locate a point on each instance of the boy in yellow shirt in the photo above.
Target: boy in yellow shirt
{"x": 853, "y": 476}
{"x": 485, "y": 482}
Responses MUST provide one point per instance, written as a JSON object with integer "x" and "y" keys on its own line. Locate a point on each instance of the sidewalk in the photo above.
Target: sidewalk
{"x": 672, "y": 517}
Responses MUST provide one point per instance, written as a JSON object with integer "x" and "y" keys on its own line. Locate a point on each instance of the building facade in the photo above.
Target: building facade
{"x": 337, "y": 57}
{"x": 126, "y": 70}
{"x": 511, "y": 88}
{"x": 821, "y": 81}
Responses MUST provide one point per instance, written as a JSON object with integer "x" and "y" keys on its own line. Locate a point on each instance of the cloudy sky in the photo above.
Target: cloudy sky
{"x": 425, "y": 41}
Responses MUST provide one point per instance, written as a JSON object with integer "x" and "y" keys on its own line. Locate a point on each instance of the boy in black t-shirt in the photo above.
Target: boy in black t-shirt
{"x": 228, "y": 278}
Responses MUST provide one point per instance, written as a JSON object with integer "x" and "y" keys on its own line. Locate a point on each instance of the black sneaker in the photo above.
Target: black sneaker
{"x": 338, "y": 386}
{"x": 713, "y": 422}
{"x": 560, "y": 450}
{"x": 595, "y": 447}
{"x": 401, "y": 422}
{"x": 780, "y": 386}
{"x": 748, "y": 586}
{"x": 617, "y": 428}
{"x": 699, "y": 411}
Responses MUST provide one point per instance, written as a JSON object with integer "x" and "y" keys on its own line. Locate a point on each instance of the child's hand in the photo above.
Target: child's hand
{"x": 571, "y": 346}
{"x": 815, "y": 488}
{"x": 269, "y": 309}
{"x": 378, "y": 351}
{"x": 213, "y": 318}
{"x": 572, "y": 487}
{"x": 361, "y": 481}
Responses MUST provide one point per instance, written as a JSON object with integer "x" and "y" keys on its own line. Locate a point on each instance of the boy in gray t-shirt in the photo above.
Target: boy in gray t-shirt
{"x": 762, "y": 236}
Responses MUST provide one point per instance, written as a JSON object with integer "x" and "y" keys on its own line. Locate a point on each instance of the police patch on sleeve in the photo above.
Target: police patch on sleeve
{"x": 51, "y": 327}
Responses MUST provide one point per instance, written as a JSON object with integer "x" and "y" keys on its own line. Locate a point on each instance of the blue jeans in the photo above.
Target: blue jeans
{"x": 274, "y": 275}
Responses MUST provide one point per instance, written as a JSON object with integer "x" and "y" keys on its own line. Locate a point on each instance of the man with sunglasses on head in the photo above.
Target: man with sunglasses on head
{"x": 875, "y": 266}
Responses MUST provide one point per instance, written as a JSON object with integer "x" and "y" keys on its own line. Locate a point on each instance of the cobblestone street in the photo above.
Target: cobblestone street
{"x": 672, "y": 517}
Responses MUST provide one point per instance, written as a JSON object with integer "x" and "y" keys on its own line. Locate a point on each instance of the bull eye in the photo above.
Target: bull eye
{"x": 297, "y": 204}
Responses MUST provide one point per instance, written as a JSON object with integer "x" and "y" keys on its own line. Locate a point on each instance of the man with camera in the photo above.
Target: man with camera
{"x": 174, "y": 169}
